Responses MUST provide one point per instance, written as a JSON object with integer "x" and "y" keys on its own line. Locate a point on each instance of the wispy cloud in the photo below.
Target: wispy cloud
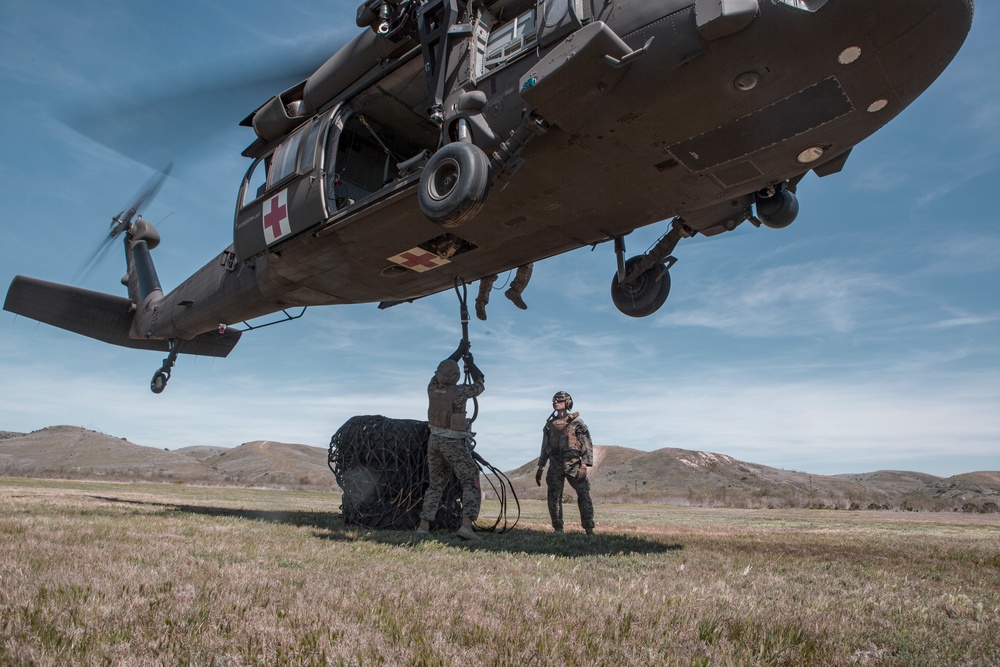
{"x": 962, "y": 322}
{"x": 882, "y": 177}
{"x": 816, "y": 297}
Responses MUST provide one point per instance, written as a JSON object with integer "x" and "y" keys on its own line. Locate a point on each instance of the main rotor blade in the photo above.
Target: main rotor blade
{"x": 153, "y": 123}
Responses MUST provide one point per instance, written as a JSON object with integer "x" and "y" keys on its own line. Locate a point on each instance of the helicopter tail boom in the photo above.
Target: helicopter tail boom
{"x": 105, "y": 317}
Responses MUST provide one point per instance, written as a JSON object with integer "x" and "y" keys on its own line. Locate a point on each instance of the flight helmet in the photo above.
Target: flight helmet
{"x": 563, "y": 396}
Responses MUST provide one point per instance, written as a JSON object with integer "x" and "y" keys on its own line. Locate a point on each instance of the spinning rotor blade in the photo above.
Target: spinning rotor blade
{"x": 121, "y": 223}
{"x": 151, "y": 123}
{"x": 144, "y": 195}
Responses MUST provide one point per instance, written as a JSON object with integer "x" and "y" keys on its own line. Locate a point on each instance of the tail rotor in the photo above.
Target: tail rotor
{"x": 122, "y": 222}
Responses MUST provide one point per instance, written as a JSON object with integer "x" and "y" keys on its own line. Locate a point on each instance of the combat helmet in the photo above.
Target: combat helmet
{"x": 448, "y": 372}
{"x": 563, "y": 396}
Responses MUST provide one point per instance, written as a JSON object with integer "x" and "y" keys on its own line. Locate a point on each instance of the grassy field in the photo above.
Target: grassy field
{"x": 130, "y": 574}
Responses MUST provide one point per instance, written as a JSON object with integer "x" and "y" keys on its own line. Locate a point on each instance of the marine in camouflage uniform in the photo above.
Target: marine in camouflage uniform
{"x": 448, "y": 447}
{"x": 521, "y": 278}
{"x": 569, "y": 451}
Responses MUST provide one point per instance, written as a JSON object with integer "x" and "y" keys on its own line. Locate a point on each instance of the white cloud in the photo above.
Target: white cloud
{"x": 962, "y": 322}
{"x": 815, "y": 297}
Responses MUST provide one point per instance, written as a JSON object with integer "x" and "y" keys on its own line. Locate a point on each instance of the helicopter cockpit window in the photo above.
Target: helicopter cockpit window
{"x": 285, "y": 158}
{"x": 307, "y": 155}
{"x": 256, "y": 181}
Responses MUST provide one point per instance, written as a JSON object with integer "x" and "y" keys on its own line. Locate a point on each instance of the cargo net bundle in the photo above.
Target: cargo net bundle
{"x": 381, "y": 466}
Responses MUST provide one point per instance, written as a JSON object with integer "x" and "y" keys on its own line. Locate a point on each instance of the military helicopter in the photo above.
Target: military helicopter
{"x": 452, "y": 140}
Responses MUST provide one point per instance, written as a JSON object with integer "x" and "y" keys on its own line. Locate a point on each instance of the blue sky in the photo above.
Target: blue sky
{"x": 866, "y": 336}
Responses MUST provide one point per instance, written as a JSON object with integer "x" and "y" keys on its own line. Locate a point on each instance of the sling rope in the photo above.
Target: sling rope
{"x": 381, "y": 466}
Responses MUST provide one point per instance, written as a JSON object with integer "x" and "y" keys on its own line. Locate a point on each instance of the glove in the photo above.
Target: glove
{"x": 582, "y": 473}
{"x": 477, "y": 375}
{"x": 463, "y": 349}
{"x": 538, "y": 477}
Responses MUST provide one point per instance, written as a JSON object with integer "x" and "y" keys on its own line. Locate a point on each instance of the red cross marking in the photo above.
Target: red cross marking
{"x": 412, "y": 261}
{"x": 274, "y": 218}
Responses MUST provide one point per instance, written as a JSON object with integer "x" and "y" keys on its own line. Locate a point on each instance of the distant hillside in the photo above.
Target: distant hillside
{"x": 967, "y": 486}
{"x": 685, "y": 477}
{"x": 73, "y": 452}
{"x": 268, "y": 463}
{"x": 894, "y": 481}
{"x": 201, "y": 452}
{"x": 620, "y": 474}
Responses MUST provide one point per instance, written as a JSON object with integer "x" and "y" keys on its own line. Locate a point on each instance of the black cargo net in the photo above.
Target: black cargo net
{"x": 381, "y": 466}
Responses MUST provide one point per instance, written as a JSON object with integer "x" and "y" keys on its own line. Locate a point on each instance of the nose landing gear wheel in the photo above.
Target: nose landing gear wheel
{"x": 454, "y": 184}
{"x": 644, "y": 295}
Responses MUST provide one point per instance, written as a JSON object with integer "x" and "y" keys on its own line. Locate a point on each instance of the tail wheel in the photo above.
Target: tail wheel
{"x": 454, "y": 184}
{"x": 644, "y": 295}
{"x": 159, "y": 382}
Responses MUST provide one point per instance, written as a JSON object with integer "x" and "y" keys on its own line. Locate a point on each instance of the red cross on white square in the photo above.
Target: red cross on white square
{"x": 276, "y": 224}
{"x": 419, "y": 260}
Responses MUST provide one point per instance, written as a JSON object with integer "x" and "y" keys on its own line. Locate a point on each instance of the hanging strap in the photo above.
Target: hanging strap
{"x": 462, "y": 290}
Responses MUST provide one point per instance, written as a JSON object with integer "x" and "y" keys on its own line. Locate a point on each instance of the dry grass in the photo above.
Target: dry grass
{"x": 120, "y": 574}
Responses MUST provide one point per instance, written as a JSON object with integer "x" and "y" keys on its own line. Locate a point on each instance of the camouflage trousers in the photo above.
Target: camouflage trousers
{"x": 521, "y": 278}
{"x": 566, "y": 471}
{"x": 444, "y": 457}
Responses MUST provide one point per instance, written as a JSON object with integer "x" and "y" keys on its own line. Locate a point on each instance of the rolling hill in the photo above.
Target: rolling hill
{"x": 620, "y": 474}
{"x": 74, "y": 452}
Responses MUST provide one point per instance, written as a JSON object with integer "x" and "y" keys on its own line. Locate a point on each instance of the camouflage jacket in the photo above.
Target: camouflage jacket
{"x": 570, "y": 442}
{"x": 459, "y": 395}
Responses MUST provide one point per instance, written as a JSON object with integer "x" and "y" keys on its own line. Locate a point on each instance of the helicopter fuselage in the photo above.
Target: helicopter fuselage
{"x": 642, "y": 111}
{"x": 591, "y": 118}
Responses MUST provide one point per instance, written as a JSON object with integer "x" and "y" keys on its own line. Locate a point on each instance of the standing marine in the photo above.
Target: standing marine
{"x": 449, "y": 444}
{"x": 569, "y": 451}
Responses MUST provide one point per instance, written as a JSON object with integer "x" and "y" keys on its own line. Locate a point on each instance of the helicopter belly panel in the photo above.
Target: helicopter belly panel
{"x": 775, "y": 123}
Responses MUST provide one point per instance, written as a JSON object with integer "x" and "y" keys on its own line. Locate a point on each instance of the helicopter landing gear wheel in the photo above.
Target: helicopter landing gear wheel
{"x": 454, "y": 184}
{"x": 162, "y": 374}
{"x": 159, "y": 382}
{"x": 644, "y": 295}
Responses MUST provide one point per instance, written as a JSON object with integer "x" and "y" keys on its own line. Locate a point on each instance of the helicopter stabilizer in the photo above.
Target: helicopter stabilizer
{"x": 105, "y": 317}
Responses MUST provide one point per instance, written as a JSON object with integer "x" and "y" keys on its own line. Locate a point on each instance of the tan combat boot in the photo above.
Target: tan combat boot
{"x": 515, "y": 297}
{"x": 465, "y": 532}
{"x": 424, "y": 528}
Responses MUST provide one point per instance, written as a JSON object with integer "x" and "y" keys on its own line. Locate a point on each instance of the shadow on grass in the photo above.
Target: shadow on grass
{"x": 324, "y": 520}
{"x": 533, "y": 541}
{"x": 331, "y": 526}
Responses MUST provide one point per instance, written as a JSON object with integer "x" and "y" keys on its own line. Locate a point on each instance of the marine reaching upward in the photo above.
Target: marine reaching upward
{"x": 448, "y": 447}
